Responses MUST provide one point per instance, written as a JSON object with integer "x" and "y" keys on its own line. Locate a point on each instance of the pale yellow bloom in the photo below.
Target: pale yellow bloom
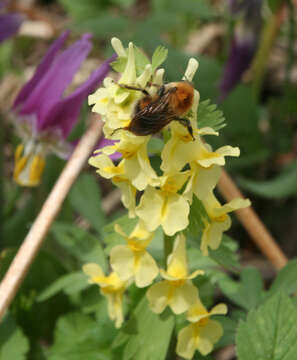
{"x": 202, "y": 181}
{"x": 132, "y": 260}
{"x": 176, "y": 290}
{"x": 137, "y": 167}
{"x": 202, "y": 333}
{"x": 165, "y": 206}
{"x": 219, "y": 221}
{"x": 106, "y": 168}
{"x": 177, "y": 153}
{"x": 112, "y": 287}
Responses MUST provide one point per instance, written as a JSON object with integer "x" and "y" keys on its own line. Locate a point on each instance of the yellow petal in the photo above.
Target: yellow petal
{"x": 147, "y": 271}
{"x": 209, "y": 335}
{"x": 177, "y": 265}
{"x": 150, "y": 208}
{"x": 220, "y": 309}
{"x": 175, "y": 214}
{"x": 205, "y": 180}
{"x": 212, "y": 235}
{"x": 93, "y": 270}
{"x": 122, "y": 261}
{"x": 233, "y": 205}
{"x": 197, "y": 311}
{"x": 186, "y": 342}
{"x": 183, "y": 298}
{"x": 157, "y": 296}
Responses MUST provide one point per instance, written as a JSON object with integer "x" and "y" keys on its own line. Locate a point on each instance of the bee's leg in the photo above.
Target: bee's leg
{"x": 187, "y": 124}
{"x": 115, "y": 130}
{"x": 134, "y": 88}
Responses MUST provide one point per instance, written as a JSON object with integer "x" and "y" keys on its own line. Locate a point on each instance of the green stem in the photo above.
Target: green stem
{"x": 168, "y": 245}
{"x": 268, "y": 36}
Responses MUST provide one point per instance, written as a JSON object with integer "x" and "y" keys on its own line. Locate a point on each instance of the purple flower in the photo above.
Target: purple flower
{"x": 9, "y": 23}
{"x": 42, "y": 116}
{"x": 244, "y": 43}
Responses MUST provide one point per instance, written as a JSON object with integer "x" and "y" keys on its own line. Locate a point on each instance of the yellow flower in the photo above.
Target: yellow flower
{"x": 137, "y": 167}
{"x": 165, "y": 206}
{"x": 29, "y": 165}
{"x": 202, "y": 181}
{"x": 112, "y": 287}
{"x": 202, "y": 333}
{"x": 219, "y": 221}
{"x": 177, "y": 153}
{"x": 107, "y": 169}
{"x": 176, "y": 290}
{"x": 132, "y": 260}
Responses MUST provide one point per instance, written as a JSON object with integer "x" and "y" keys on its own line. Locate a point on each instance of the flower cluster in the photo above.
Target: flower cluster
{"x": 163, "y": 198}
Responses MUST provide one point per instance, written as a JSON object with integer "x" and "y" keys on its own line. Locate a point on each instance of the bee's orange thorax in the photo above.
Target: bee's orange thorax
{"x": 182, "y": 99}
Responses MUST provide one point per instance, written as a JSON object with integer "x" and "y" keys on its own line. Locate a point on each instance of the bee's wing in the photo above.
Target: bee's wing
{"x": 153, "y": 117}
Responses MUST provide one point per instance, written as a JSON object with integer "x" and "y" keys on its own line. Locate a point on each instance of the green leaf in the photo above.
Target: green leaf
{"x": 119, "y": 64}
{"x": 141, "y": 60}
{"x": 248, "y": 292}
{"x": 79, "y": 243}
{"x": 209, "y": 115}
{"x": 70, "y": 284}
{"x": 85, "y": 197}
{"x": 13, "y": 343}
{"x": 146, "y": 334}
{"x": 159, "y": 56}
{"x": 196, "y": 216}
{"x": 78, "y": 336}
{"x": 225, "y": 255}
{"x": 155, "y": 145}
{"x": 269, "y": 332}
{"x": 282, "y": 186}
{"x": 286, "y": 279}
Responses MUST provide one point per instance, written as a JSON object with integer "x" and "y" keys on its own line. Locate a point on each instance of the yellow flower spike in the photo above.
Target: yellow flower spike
{"x": 112, "y": 287}
{"x": 177, "y": 290}
{"x": 132, "y": 260}
{"x": 219, "y": 220}
{"x": 202, "y": 333}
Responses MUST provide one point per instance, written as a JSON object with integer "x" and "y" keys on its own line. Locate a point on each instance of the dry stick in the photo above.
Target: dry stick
{"x": 29, "y": 249}
{"x": 254, "y": 226}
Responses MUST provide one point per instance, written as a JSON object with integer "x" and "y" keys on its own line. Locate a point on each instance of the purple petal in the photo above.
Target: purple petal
{"x": 41, "y": 70}
{"x": 240, "y": 57}
{"x": 50, "y": 88}
{"x": 65, "y": 113}
{"x": 9, "y": 25}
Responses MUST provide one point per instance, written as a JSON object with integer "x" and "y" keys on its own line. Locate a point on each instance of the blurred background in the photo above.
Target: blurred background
{"x": 247, "y": 55}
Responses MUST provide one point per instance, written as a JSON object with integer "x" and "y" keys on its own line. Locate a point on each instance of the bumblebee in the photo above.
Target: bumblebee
{"x": 153, "y": 113}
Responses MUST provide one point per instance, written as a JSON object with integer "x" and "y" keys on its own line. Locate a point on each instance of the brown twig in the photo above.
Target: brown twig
{"x": 253, "y": 225}
{"x": 29, "y": 249}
